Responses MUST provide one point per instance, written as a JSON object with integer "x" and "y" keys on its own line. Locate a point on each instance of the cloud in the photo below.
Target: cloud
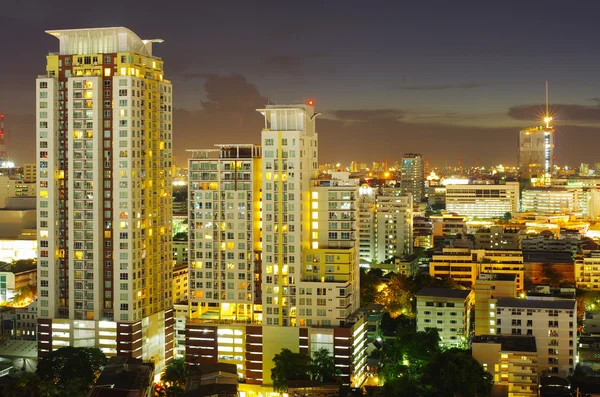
{"x": 291, "y": 65}
{"x": 439, "y": 87}
{"x": 563, "y": 112}
{"x": 370, "y": 115}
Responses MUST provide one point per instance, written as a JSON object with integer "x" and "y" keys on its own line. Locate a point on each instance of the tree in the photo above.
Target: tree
{"x": 507, "y": 216}
{"x": 551, "y": 276}
{"x": 455, "y": 372}
{"x": 288, "y": 366}
{"x": 72, "y": 369}
{"x": 395, "y": 296}
{"x": 323, "y": 366}
{"x": 175, "y": 373}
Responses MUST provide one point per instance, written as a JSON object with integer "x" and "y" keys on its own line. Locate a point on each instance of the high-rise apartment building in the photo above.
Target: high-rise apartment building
{"x": 224, "y": 231}
{"x": 273, "y": 253}
{"x": 412, "y": 179}
{"x": 385, "y": 223}
{"x": 536, "y": 151}
{"x": 103, "y": 151}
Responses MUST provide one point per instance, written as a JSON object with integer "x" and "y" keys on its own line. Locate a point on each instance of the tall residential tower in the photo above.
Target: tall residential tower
{"x": 413, "y": 179}
{"x": 104, "y": 196}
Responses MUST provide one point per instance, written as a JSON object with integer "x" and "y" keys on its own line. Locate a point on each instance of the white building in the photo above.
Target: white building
{"x": 393, "y": 225}
{"x": 483, "y": 201}
{"x": 224, "y": 229}
{"x": 103, "y": 148}
{"x": 447, "y": 310}
{"x": 553, "y": 323}
{"x": 554, "y": 200}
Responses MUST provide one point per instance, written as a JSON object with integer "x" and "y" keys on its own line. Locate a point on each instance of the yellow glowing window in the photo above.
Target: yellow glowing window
{"x": 268, "y": 176}
{"x": 122, "y": 112}
{"x": 77, "y": 134}
{"x": 89, "y": 84}
{"x": 315, "y": 195}
{"x": 43, "y": 233}
{"x": 315, "y": 245}
{"x": 89, "y": 94}
{"x": 315, "y": 235}
{"x": 315, "y": 225}
{"x": 153, "y": 64}
{"x": 230, "y": 245}
{"x": 315, "y": 215}
{"x": 43, "y": 193}
{"x": 269, "y": 269}
{"x": 199, "y": 265}
{"x": 78, "y": 254}
{"x": 125, "y": 225}
{"x": 107, "y": 72}
{"x": 315, "y": 205}
{"x": 123, "y": 71}
{"x": 107, "y": 234}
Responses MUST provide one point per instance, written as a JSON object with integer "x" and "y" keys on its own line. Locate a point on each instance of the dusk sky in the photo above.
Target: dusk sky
{"x": 445, "y": 79}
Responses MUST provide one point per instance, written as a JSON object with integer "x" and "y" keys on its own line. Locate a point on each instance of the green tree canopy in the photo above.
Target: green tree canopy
{"x": 175, "y": 373}
{"x": 288, "y": 366}
{"x": 323, "y": 366}
{"x": 72, "y": 369}
{"x": 455, "y": 372}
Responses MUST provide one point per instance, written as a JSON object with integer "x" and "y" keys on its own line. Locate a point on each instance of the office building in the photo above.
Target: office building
{"x": 412, "y": 179}
{"x": 553, "y": 323}
{"x": 536, "y": 152}
{"x": 104, "y": 196}
{"x": 483, "y": 201}
{"x": 511, "y": 360}
{"x": 488, "y": 288}
{"x": 554, "y": 200}
{"x": 464, "y": 265}
{"x": 422, "y": 232}
{"x": 448, "y": 311}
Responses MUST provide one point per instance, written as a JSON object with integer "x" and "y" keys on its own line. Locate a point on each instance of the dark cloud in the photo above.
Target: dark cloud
{"x": 370, "y": 115}
{"x": 595, "y": 99}
{"x": 563, "y": 112}
{"x": 438, "y": 87}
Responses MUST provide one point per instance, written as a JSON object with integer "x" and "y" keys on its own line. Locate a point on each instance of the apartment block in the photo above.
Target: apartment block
{"x": 448, "y": 311}
{"x": 180, "y": 283}
{"x": 465, "y": 265}
{"x": 488, "y": 288}
{"x": 512, "y": 361}
{"x": 499, "y": 237}
{"x": 553, "y": 323}
{"x": 393, "y": 225}
{"x": 587, "y": 271}
{"x": 104, "y": 133}
{"x": 483, "y": 201}
{"x": 224, "y": 232}
{"x": 412, "y": 179}
{"x": 273, "y": 253}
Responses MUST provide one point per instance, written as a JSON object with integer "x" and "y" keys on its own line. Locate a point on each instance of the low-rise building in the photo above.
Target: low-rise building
{"x": 447, "y": 310}
{"x": 552, "y": 321}
{"x": 511, "y": 360}
{"x": 126, "y": 377}
{"x": 181, "y": 311}
{"x": 548, "y": 242}
{"x": 464, "y": 265}
{"x": 499, "y": 237}
{"x": 587, "y": 271}
{"x": 483, "y": 201}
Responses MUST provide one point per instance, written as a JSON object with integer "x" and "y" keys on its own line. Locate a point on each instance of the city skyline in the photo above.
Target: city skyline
{"x": 455, "y": 81}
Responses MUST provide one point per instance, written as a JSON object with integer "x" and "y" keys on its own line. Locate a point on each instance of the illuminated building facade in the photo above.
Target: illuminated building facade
{"x": 554, "y": 200}
{"x": 447, "y": 310}
{"x": 465, "y": 265}
{"x": 483, "y": 201}
{"x": 536, "y": 152}
{"x": 553, "y": 323}
{"x": 393, "y": 225}
{"x": 224, "y": 231}
{"x": 104, "y": 196}
{"x": 412, "y": 179}
{"x": 274, "y": 257}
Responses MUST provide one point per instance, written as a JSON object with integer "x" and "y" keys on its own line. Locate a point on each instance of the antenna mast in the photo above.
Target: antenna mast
{"x": 2, "y": 146}
{"x": 547, "y": 118}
